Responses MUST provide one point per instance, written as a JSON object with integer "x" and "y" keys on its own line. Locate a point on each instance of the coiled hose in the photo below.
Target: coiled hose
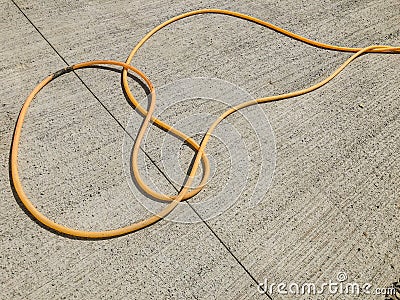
{"x": 200, "y": 155}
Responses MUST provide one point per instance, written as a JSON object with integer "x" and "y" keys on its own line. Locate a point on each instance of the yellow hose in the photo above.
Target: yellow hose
{"x": 200, "y": 156}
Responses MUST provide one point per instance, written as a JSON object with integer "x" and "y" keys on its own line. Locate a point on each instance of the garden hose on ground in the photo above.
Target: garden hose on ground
{"x": 200, "y": 155}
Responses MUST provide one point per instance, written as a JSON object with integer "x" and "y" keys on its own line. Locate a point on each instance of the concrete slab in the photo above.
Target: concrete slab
{"x": 70, "y": 165}
{"x": 333, "y": 204}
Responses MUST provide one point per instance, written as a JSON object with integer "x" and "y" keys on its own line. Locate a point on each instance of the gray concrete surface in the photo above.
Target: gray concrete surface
{"x": 333, "y": 205}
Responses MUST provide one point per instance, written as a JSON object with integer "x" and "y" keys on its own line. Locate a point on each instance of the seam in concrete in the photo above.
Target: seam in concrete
{"x": 87, "y": 87}
{"x": 152, "y": 161}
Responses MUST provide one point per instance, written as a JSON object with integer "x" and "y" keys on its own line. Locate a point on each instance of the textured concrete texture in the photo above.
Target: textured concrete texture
{"x": 332, "y": 206}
